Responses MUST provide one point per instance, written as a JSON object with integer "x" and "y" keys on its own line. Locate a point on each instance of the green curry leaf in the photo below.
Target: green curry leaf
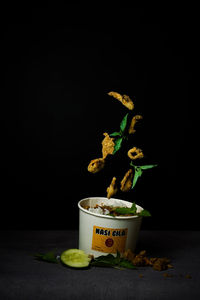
{"x": 144, "y": 213}
{"x": 115, "y": 134}
{"x": 122, "y": 210}
{"x": 118, "y": 144}
{"x": 110, "y": 260}
{"x": 137, "y": 174}
{"x": 126, "y": 264}
{"x": 132, "y": 211}
{"x": 123, "y": 123}
{"x": 147, "y": 167}
{"x": 139, "y": 171}
{"x": 48, "y": 257}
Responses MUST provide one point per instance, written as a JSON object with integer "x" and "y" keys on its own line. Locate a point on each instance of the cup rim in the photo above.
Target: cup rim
{"x": 106, "y": 216}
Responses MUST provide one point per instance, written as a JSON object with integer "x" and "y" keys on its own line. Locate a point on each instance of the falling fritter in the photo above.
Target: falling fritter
{"x": 96, "y": 165}
{"x": 138, "y": 153}
{"x": 107, "y": 145}
{"x": 124, "y": 99}
{"x": 126, "y": 182}
{"x": 112, "y": 189}
{"x": 133, "y": 122}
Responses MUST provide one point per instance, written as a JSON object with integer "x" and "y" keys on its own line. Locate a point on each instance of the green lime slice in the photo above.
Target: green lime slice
{"x": 75, "y": 258}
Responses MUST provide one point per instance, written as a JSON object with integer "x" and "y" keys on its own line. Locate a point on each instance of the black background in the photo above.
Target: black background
{"x": 58, "y": 64}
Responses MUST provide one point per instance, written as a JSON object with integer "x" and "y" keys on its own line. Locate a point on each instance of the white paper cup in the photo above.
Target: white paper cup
{"x": 103, "y": 234}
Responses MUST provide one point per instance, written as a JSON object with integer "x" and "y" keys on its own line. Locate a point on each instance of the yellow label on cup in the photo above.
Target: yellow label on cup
{"x": 109, "y": 240}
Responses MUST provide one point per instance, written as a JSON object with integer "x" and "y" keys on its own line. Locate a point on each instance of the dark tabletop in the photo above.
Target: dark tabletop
{"x": 22, "y": 277}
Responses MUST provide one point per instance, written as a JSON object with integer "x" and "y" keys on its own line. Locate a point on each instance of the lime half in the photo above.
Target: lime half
{"x": 75, "y": 258}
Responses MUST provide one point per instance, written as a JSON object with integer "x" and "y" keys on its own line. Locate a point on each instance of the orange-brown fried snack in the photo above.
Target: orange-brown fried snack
{"x": 124, "y": 99}
{"x": 96, "y": 165}
{"x": 107, "y": 145}
{"x": 134, "y": 120}
{"x": 112, "y": 189}
{"x": 126, "y": 182}
{"x": 138, "y": 153}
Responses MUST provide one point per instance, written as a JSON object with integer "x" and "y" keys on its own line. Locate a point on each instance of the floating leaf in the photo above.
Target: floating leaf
{"x": 123, "y": 123}
{"x": 147, "y": 167}
{"x": 115, "y": 134}
{"x": 118, "y": 143}
{"x": 138, "y": 173}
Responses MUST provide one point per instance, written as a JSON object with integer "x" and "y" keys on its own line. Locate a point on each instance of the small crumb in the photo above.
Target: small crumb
{"x": 141, "y": 275}
{"x": 167, "y": 275}
{"x": 188, "y": 276}
{"x": 170, "y": 266}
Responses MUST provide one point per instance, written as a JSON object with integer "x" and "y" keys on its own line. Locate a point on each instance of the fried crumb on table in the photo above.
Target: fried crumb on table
{"x": 141, "y": 259}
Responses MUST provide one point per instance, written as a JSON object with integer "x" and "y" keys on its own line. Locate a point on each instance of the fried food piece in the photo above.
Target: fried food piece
{"x": 138, "y": 153}
{"x": 134, "y": 120}
{"x": 138, "y": 260}
{"x": 112, "y": 189}
{"x": 129, "y": 255}
{"x": 161, "y": 264}
{"x": 96, "y": 165}
{"x": 166, "y": 275}
{"x": 141, "y": 259}
{"x": 107, "y": 145}
{"x": 124, "y": 99}
{"x": 126, "y": 182}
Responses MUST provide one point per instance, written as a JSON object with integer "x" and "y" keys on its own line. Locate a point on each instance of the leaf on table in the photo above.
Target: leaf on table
{"x": 48, "y": 257}
{"x": 110, "y": 260}
{"x": 124, "y": 263}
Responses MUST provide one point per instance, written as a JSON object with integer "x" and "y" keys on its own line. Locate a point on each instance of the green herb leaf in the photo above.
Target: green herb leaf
{"x": 138, "y": 173}
{"x": 124, "y": 263}
{"x": 123, "y": 123}
{"x": 110, "y": 260}
{"x": 105, "y": 261}
{"x": 123, "y": 210}
{"x": 147, "y": 167}
{"x": 144, "y": 213}
{"x": 118, "y": 144}
{"x": 115, "y": 134}
{"x": 126, "y": 210}
{"x": 48, "y": 257}
{"x": 133, "y": 208}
